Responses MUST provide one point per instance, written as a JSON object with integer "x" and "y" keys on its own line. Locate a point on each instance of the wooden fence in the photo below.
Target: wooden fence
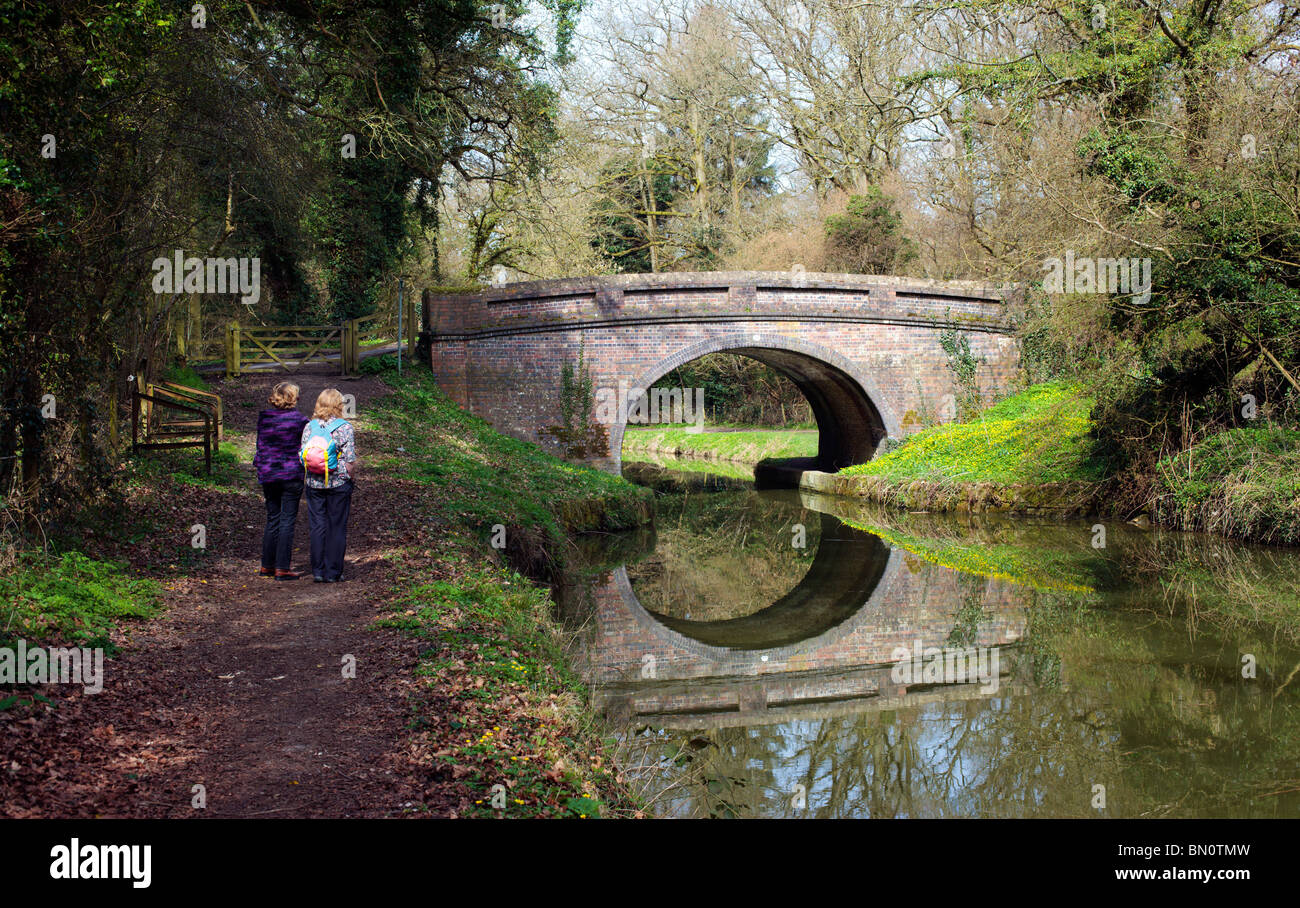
{"x": 292, "y": 346}
{"x": 167, "y": 415}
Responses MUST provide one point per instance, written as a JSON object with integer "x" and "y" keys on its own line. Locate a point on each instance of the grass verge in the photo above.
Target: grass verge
{"x": 747, "y": 446}
{"x": 70, "y": 599}
{"x": 483, "y": 479}
{"x": 502, "y": 710}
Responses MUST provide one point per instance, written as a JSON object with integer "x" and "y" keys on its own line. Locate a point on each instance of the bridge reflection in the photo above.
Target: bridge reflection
{"x": 826, "y": 648}
{"x": 848, "y": 566}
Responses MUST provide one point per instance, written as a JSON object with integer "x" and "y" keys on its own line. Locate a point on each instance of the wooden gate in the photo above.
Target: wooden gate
{"x": 289, "y": 346}
{"x": 292, "y": 346}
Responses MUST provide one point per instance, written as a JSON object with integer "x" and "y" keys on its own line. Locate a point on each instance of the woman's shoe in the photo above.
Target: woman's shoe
{"x": 286, "y": 575}
{"x": 266, "y": 572}
{"x": 317, "y": 578}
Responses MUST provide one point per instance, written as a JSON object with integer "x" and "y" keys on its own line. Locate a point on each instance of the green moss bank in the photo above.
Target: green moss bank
{"x": 1029, "y": 454}
{"x": 1034, "y": 453}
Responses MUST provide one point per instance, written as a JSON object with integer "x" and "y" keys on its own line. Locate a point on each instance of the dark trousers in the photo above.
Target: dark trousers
{"x": 327, "y": 513}
{"x": 281, "y": 517}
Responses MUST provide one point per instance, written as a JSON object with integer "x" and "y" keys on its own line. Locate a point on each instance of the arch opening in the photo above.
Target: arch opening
{"x": 850, "y": 416}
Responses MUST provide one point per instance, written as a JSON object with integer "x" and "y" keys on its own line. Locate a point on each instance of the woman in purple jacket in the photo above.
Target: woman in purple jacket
{"x": 279, "y": 439}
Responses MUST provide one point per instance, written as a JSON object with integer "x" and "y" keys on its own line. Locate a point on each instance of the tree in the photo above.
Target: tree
{"x": 669, "y": 104}
{"x": 867, "y": 237}
{"x": 129, "y": 130}
{"x": 1186, "y": 142}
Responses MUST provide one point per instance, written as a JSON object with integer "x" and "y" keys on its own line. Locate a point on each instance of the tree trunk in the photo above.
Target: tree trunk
{"x": 33, "y": 430}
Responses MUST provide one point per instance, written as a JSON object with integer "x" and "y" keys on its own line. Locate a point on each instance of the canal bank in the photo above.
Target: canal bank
{"x": 500, "y": 709}
{"x": 730, "y": 445}
{"x": 1062, "y": 499}
{"x": 1035, "y": 454}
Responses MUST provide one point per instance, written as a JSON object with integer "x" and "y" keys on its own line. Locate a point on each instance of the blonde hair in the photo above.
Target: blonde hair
{"x": 284, "y": 396}
{"x": 329, "y": 405}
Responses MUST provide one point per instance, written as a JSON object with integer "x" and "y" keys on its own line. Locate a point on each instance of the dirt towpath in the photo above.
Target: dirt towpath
{"x": 239, "y": 686}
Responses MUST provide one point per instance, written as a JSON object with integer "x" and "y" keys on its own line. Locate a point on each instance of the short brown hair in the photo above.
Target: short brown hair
{"x": 329, "y": 405}
{"x": 284, "y": 396}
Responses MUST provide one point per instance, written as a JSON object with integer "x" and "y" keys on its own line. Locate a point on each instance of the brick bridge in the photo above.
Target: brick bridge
{"x": 826, "y": 648}
{"x": 865, "y": 351}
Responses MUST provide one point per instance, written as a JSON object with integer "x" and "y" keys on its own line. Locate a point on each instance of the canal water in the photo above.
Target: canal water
{"x": 782, "y": 654}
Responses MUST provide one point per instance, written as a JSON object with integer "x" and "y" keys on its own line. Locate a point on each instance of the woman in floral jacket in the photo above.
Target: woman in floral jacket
{"x": 329, "y": 495}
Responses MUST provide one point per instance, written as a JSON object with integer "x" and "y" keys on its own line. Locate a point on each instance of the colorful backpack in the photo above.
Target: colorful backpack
{"x": 320, "y": 453}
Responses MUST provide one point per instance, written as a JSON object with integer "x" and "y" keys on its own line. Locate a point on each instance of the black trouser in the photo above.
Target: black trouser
{"x": 281, "y": 517}
{"x": 327, "y": 512}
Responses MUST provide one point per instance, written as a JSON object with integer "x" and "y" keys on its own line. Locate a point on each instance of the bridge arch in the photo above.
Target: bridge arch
{"x": 852, "y": 414}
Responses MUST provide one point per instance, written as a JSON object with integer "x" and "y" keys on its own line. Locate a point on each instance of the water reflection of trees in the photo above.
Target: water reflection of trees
{"x": 1160, "y": 719}
{"x": 724, "y": 555}
{"x": 1136, "y": 687}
